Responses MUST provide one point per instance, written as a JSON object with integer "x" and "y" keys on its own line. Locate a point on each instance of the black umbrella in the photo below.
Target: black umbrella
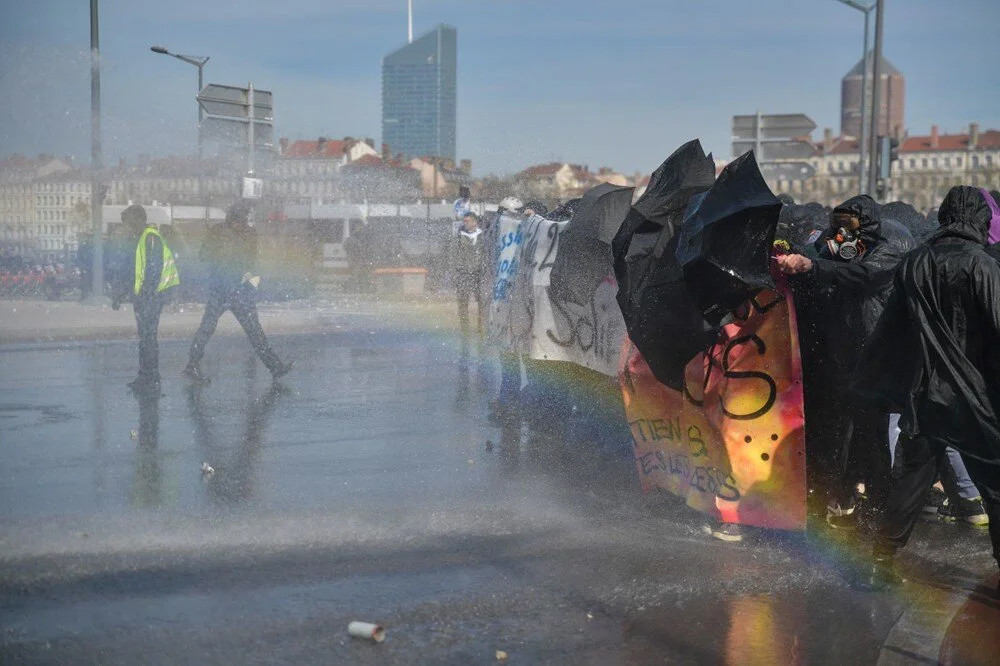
{"x": 584, "y": 257}
{"x": 661, "y": 317}
{"x": 726, "y": 240}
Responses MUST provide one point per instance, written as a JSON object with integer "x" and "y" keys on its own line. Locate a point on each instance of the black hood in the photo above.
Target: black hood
{"x": 964, "y": 213}
{"x": 867, "y": 210}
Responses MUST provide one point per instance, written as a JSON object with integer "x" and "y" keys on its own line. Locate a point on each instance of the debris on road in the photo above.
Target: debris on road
{"x": 372, "y": 632}
{"x": 501, "y": 655}
{"x": 134, "y": 434}
{"x": 207, "y": 469}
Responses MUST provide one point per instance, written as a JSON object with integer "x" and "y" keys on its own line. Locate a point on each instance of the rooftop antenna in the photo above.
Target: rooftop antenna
{"x": 409, "y": 6}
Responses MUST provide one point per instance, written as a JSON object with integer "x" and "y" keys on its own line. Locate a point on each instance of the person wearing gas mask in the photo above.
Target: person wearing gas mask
{"x": 847, "y": 285}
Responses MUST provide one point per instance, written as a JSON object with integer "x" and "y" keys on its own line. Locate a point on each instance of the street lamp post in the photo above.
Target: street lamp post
{"x": 96, "y": 190}
{"x": 876, "y": 100}
{"x": 863, "y": 139}
{"x": 199, "y": 62}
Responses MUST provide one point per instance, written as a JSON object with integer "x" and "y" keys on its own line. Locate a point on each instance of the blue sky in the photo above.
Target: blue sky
{"x": 589, "y": 81}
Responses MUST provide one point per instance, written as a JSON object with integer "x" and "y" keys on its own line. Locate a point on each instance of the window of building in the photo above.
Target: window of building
{"x": 923, "y": 162}
{"x": 958, "y": 162}
{"x": 975, "y": 161}
{"x": 989, "y": 161}
{"x": 947, "y": 161}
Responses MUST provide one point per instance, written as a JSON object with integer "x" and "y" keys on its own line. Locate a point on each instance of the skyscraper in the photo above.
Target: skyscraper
{"x": 419, "y": 96}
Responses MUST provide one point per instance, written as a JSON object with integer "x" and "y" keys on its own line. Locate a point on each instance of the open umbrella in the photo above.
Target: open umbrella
{"x": 584, "y": 257}
{"x": 662, "y": 319}
{"x": 725, "y": 241}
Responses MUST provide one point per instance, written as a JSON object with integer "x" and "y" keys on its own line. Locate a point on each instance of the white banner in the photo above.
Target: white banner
{"x": 590, "y": 335}
{"x": 508, "y": 251}
{"x": 526, "y": 319}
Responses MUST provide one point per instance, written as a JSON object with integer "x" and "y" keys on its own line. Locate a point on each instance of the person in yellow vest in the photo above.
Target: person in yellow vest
{"x": 155, "y": 275}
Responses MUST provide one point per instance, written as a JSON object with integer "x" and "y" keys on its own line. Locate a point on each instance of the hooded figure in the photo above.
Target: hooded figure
{"x": 936, "y": 354}
{"x": 859, "y": 283}
{"x": 994, "y": 239}
{"x": 935, "y": 358}
{"x": 842, "y": 293}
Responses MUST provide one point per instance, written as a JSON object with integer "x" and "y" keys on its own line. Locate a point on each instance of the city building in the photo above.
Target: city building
{"x": 892, "y": 100}
{"x": 561, "y": 181}
{"x": 309, "y": 170}
{"x": 928, "y": 166}
{"x": 439, "y": 178}
{"x": 419, "y": 95}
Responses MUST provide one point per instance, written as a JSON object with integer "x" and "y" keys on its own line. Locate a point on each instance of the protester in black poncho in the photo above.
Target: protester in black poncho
{"x": 842, "y": 293}
{"x": 935, "y": 357}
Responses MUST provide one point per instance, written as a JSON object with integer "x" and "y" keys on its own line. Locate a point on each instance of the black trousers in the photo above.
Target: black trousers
{"x": 241, "y": 303}
{"x": 866, "y": 458}
{"x": 147, "y": 319}
{"x": 919, "y": 461}
{"x": 470, "y": 287}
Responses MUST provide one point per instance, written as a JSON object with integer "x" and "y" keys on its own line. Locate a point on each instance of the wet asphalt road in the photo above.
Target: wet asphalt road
{"x": 363, "y": 488}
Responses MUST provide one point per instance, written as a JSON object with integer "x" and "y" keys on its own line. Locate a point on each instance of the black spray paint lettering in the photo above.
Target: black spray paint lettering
{"x": 705, "y": 479}
{"x": 586, "y": 330}
{"x": 749, "y": 374}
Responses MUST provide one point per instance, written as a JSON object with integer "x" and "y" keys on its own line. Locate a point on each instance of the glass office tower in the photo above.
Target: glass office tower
{"x": 418, "y": 95}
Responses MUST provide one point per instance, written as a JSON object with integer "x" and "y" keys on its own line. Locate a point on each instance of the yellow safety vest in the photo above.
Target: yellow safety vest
{"x": 169, "y": 277}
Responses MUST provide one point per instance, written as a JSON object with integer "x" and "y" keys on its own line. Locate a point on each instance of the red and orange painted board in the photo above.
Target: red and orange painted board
{"x": 733, "y": 442}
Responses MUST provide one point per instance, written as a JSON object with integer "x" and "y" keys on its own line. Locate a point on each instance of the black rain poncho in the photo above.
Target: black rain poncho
{"x": 847, "y": 297}
{"x": 935, "y": 356}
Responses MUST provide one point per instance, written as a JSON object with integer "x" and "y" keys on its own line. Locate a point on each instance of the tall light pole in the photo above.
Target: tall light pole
{"x": 199, "y": 62}
{"x": 876, "y": 100}
{"x": 863, "y": 139}
{"x": 96, "y": 193}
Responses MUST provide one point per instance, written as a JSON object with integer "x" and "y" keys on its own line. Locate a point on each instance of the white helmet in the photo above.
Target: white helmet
{"x": 512, "y": 204}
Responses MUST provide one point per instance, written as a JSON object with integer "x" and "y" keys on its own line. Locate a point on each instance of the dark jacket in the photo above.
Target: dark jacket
{"x": 935, "y": 356}
{"x": 230, "y": 251}
{"x": 469, "y": 254}
{"x": 994, "y": 251}
{"x": 848, "y": 296}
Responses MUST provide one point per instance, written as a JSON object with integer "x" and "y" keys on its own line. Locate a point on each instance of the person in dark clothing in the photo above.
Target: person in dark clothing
{"x": 845, "y": 289}
{"x": 994, "y": 238}
{"x": 231, "y": 253}
{"x": 469, "y": 264}
{"x": 84, "y": 261}
{"x": 935, "y": 358}
{"x": 155, "y": 276}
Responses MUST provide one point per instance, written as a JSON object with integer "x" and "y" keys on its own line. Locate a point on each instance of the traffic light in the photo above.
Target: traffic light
{"x": 888, "y": 152}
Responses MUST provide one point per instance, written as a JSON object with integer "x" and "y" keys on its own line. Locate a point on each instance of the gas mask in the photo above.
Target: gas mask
{"x": 846, "y": 242}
